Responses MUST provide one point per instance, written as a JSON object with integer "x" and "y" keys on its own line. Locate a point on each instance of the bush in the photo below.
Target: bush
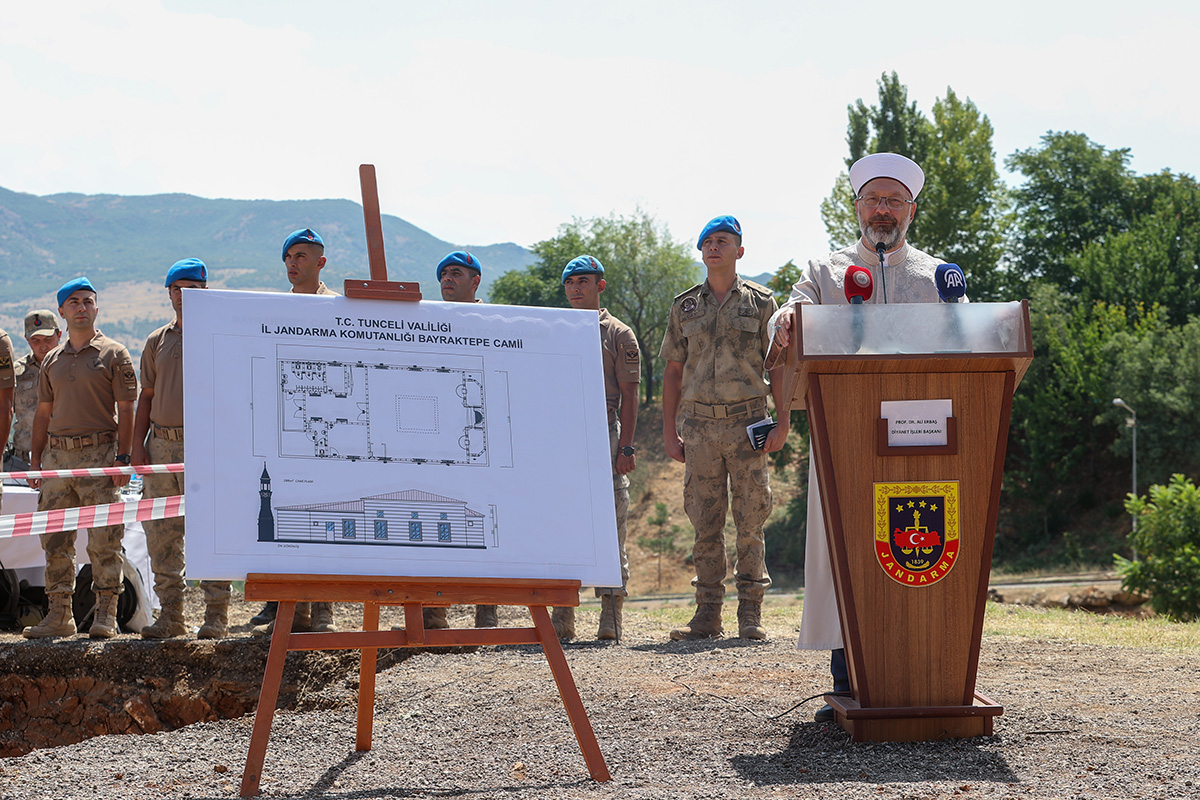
{"x": 1168, "y": 544}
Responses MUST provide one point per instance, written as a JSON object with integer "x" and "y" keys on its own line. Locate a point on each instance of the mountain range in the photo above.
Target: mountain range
{"x": 127, "y": 243}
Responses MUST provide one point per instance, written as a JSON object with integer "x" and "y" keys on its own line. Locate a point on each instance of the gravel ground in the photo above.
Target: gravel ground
{"x": 674, "y": 720}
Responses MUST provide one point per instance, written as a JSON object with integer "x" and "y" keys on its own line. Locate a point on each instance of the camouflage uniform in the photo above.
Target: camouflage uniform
{"x": 321, "y": 289}
{"x": 722, "y": 348}
{"x": 25, "y": 403}
{"x": 162, "y": 373}
{"x": 84, "y": 386}
{"x": 8, "y": 378}
{"x": 622, "y": 364}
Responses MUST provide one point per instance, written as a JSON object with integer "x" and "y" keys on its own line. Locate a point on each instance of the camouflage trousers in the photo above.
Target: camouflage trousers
{"x": 621, "y": 498}
{"x": 104, "y": 543}
{"x": 719, "y": 460}
{"x": 164, "y": 537}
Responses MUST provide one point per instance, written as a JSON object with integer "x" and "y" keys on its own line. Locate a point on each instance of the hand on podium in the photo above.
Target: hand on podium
{"x": 781, "y": 337}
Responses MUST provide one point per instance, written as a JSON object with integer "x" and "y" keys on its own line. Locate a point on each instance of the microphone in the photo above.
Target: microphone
{"x": 881, "y": 249}
{"x": 859, "y": 285}
{"x": 951, "y": 283}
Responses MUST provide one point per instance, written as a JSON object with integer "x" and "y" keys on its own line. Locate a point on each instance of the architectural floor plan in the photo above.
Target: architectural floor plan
{"x": 394, "y": 406}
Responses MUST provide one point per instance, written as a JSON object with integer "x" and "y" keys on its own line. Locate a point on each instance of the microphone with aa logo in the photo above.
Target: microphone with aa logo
{"x": 951, "y": 283}
{"x": 859, "y": 285}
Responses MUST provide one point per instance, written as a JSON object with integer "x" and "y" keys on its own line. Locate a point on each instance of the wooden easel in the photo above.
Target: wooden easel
{"x": 412, "y": 593}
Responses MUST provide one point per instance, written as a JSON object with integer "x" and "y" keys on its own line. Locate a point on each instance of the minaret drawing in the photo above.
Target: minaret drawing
{"x": 266, "y": 519}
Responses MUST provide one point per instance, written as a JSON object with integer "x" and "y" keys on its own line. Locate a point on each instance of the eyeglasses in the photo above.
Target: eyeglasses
{"x": 893, "y": 203}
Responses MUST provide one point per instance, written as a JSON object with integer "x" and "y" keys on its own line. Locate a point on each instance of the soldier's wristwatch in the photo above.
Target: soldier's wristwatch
{"x": 627, "y": 450}
{"x": 122, "y": 458}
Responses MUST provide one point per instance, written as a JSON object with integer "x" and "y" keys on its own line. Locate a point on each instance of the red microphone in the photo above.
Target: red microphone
{"x": 859, "y": 285}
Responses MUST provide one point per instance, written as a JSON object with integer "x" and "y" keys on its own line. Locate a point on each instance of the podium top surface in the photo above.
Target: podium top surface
{"x": 914, "y": 329}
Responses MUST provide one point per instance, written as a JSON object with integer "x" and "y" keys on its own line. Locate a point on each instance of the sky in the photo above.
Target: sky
{"x": 498, "y": 121}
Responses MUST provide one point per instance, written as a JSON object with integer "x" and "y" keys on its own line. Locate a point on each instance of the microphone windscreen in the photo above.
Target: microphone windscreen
{"x": 859, "y": 284}
{"x": 950, "y": 281}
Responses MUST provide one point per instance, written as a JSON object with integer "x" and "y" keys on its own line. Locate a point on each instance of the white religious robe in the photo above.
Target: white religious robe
{"x": 908, "y": 277}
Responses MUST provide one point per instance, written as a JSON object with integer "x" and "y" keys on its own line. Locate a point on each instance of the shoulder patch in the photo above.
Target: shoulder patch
{"x": 128, "y": 376}
{"x": 758, "y": 288}
{"x": 6, "y": 362}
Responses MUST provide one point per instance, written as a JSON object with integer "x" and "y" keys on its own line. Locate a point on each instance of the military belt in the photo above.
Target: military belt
{"x": 167, "y": 434}
{"x": 80, "y": 442}
{"x": 726, "y": 411}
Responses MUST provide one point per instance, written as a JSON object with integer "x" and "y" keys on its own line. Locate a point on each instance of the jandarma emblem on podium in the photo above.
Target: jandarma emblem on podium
{"x": 916, "y": 531}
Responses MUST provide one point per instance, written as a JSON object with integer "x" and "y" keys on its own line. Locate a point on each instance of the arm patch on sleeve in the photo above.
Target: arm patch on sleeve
{"x": 129, "y": 376}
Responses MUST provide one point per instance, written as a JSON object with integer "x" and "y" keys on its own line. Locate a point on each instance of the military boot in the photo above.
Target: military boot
{"x": 705, "y": 624}
{"x": 563, "y": 620}
{"x": 170, "y": 620}
{"x": 610, "y": 616}
{"x": 104, "y": 624}
{"x": 216, "y": 620}
{"x": 486, "y": 617}
{"x": 322, "y": 618}
{"x": 301, "y": 622}
{"x": 59, "y": 621}
{"x": 434, "y": 618}
{"x": 266, "y": 615}
{"x": 750, "y": 620}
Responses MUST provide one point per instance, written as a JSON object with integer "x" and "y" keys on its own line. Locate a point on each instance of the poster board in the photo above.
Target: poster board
{"x": 328, "y": 435}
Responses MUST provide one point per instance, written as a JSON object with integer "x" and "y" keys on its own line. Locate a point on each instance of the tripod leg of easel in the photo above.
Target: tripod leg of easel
{"x": 366, "y": 680}
{"x": 268, "y": 696}
{"x": 570, "y": 694}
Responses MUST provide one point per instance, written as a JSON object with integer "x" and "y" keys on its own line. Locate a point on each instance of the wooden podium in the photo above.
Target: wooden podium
{"x": 911, "y": 618}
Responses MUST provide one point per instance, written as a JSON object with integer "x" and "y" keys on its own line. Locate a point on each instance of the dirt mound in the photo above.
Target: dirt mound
{"x": 61, "y": 692}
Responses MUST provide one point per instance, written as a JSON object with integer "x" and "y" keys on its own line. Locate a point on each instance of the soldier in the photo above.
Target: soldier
{"x": 304, "y": 257}
{"x": 84, "y": 418}
{"x": 715, "y": 346}
{"x": 8, "y": 381}
{"x": 43, "y": 335}
{"x": 459, "y": 275}
{"x": 583, "y": 281}
{"x": 160, "y": 417}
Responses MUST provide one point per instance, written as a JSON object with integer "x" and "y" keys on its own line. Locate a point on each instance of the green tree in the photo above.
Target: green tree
{"x": 1059, "y": 445}
{"x": 540, "y": 284}
{"x": 962, "y": 211}
{"x": 1155, "y": 368}
{"x": 1075, "y": 192}
{"x": 644, "y": 268}
{"x": 1156, "y": 259}
{"x": 1168, "y": 542}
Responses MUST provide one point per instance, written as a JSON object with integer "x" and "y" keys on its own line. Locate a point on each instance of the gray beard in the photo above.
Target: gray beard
{"x": 887, "y": 235}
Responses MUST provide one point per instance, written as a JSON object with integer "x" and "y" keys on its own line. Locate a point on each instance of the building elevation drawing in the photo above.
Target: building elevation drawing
{"x": 410, "y": 518}
{"x": 416, "y": 408}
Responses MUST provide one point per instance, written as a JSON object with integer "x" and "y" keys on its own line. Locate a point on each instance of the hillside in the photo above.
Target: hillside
{"x": 125, "y": 244}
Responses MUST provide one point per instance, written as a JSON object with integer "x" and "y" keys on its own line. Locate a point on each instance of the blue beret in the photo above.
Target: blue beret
{"x": 582, "y": 265}
{"x": 462, "y": 259}
{"x": 305, "y": 235}
{"x": 725, "y": 223}
{"x": 71, "y": 287}
{"x": 189, "y": 269}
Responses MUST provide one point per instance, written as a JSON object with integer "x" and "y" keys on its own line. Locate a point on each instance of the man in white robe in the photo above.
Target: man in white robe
{"x": 886, "y": 186}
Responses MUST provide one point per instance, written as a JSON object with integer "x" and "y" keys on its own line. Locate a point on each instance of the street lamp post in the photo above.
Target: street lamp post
{"x": 1131, "y": 422}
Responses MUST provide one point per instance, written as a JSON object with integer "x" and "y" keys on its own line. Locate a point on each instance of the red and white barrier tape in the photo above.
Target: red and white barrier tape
{"x": 37, "y": 523}
{"x": 94, "y": 472}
